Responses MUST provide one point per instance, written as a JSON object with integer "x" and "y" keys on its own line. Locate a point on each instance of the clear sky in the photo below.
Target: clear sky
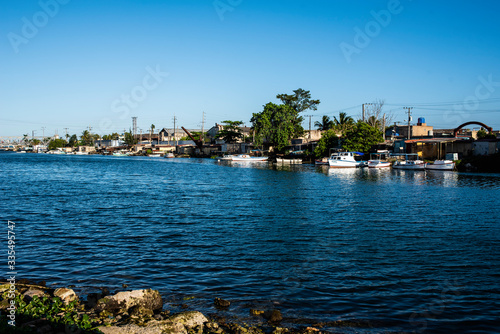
{"x": 79, "y": 63}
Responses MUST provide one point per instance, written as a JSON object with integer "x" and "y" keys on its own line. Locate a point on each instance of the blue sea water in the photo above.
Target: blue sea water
{"x": 378, "y": 251}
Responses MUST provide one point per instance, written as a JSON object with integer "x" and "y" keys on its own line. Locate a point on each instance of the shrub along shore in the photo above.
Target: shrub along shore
{"x": 42, "y": 309}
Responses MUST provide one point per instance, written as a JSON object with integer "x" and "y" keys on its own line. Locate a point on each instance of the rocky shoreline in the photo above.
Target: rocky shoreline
{"x": 41, "y": 309}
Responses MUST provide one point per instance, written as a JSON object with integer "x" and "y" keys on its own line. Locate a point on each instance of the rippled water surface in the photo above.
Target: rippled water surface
{"x": 385, "y": 251}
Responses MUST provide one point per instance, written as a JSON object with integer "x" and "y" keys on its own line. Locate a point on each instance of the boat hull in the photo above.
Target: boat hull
{"x": 243, "y": 157}
{"x": 378, "y": 164}
{"x": 441, "y": 165}
{"x": 344, "y": 164}
{"x": 409, "y": 166}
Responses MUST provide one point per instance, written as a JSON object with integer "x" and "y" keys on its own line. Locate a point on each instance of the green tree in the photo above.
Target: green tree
{"x": 152, "y": 132}
{"x": 73, "y": 141}
{"x": 113, "y": 136}
{"x": 325, "y": 124}
{"x": 231, "y": 131}
{"x": 276, "y": 124}
{"x": 129, "y": 138}
{"x": 329, "y": 139}
{"x": 344, "y": 122}
{"x": 300, "y": 100}
{"x": 196, "y": 135}
{"x": 482, "y": 134}
{"x": 56, "y": 143}
{"x": 361, "y": 137}
{"x": 25, "y": 139}
{"x": 86, "y": 138}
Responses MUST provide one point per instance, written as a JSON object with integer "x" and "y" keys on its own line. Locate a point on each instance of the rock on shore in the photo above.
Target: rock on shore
{"x": 45, "y": 310}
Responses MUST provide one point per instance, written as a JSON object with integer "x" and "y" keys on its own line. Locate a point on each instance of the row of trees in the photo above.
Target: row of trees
{"x": 277, "y": 124}
{"x": 86, "y": 139}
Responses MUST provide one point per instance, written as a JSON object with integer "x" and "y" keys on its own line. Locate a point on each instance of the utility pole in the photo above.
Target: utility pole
{"x": 202, "y": 137}
{"x": 310, "y": 116}
{"x": 66, "y": 130}
{"x": 33, "y": 134}
{"x": 43, "y": 135}
{"x": 383, "y": 127}
{"x": 409, "y": 120}
{"x": 363, "y": 118}
{"x": 175, "y": 137}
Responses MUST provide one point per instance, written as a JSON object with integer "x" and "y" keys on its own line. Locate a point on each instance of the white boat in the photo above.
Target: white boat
{"x": 378, "y": 164}
{"x": 169, "y": 155}
{"x": 154, "y": 155}
{"x": 243, "y": 157}
{"x": 323, "y": 161}
{"x": 56, "y": 152}
{"x": 408, "y": 163}
{"x": 441, "y": 165}
{"x": 121, "y": 154}
{"x": 345, "y": 160}
{"x": 281, "y": 161}
{"x": 378, "y": 160}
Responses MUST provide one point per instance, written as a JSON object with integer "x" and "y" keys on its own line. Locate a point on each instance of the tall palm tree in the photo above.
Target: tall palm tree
{"x": 344, "y": 121}
{"x": 151, "y": 133}
{"x": 325, "y": 124}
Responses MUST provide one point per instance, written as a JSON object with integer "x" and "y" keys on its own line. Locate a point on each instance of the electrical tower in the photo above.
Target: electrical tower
{"x": 134, "y": 126}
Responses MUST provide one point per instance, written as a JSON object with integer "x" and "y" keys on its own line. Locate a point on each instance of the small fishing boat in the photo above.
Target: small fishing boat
{"x": 154, "y": 155}
{"x": 169, "y": 155}
{"x": 379, "y": 160}
{"x": 323, "y": 161}
{"x": 440, "y": 165}
{"x": 243, "y": 157}
{"x": 345, "y": 160}
{"x": 120, "y": 154}
{"x": 411, "y": 162}
{"x": 282, "y": 161}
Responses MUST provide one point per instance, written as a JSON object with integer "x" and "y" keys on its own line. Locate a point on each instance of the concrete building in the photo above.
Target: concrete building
{"x": 419, "y": 130}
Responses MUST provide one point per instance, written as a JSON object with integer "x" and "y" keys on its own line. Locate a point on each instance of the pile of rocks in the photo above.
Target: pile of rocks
{"x": 138, "y": 311}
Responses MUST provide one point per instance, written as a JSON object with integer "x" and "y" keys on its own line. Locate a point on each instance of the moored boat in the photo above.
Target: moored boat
{"x": 323, "y": 161}
{"x": 243, "y": 157}
{"x": 378, "y": 160}
{"x": 409, "y": 163}
{"x": 169, "y": 155}
{"x": 441, "y": 165}
{"x": 345, "y": 160}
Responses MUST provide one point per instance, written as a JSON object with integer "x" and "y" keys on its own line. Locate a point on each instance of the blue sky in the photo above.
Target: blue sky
{"x": 73, "y": 63}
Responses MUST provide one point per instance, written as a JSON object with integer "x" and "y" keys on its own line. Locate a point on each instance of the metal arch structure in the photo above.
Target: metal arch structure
{"x": 455, "y": 132}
